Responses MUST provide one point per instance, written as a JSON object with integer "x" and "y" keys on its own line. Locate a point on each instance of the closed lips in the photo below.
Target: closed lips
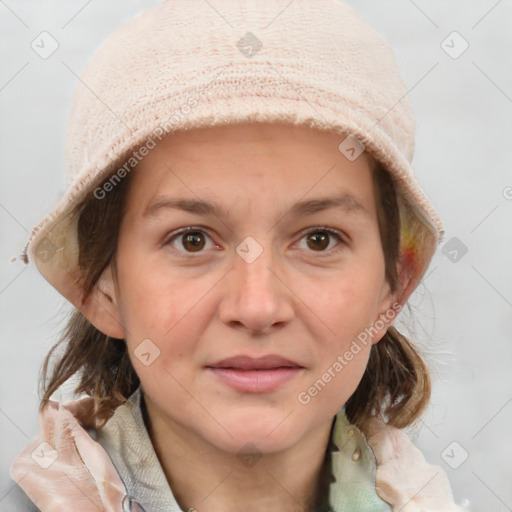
{"x": 270, "y": 362}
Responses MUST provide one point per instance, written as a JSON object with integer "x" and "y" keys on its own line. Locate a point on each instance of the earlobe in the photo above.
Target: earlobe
{"x": 101, "y": 306}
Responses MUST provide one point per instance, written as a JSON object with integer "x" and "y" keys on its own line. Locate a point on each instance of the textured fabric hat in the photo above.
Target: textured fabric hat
{"x": 187, "y": 64}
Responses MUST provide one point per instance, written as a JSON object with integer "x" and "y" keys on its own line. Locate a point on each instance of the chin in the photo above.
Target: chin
{"x": 268, "y": 433}
{"x": 245, "y": 443}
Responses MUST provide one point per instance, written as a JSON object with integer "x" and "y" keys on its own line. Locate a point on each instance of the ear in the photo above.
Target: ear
{"x": 388, "y": 309}
{"x": 101, "y": 307}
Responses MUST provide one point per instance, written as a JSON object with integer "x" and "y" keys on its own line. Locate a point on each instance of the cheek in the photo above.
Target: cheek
{"x": 166, "y": 308}
{"x": 343, "y": 304}
{"x": 154, "y": 295}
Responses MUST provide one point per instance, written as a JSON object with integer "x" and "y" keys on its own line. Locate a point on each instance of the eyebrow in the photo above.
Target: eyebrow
{"x": 348, "y": 202}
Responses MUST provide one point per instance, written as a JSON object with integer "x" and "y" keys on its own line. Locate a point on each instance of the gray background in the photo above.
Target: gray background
{"x": 462, "y": 312}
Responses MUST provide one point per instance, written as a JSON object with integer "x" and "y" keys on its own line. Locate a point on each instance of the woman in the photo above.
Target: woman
{"x": 242, "y": 228}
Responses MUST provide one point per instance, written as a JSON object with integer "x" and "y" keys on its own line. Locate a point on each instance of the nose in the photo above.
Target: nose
{"x": 257, "y": 298}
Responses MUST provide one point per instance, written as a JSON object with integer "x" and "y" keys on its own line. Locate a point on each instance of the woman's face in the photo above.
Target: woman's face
{"x": 258, "y": 275}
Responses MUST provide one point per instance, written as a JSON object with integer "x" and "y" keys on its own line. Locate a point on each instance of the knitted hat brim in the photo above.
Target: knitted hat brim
{"x": 53, "y": 245}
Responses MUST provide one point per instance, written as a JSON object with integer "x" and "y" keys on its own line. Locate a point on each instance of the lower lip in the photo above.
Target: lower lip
{"x": 255, "y": 381}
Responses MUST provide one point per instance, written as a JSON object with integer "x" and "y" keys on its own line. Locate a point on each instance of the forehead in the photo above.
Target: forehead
{"x": 241, "y": 162}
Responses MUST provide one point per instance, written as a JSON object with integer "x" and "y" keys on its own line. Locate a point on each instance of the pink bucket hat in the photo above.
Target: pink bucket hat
{"x": 188, "y": 64}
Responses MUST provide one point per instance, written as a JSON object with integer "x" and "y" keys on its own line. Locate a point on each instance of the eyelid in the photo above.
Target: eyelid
{"x": 332, "y": 231}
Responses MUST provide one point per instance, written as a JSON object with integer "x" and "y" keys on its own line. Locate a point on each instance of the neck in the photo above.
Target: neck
{"x": 207, "y": 479}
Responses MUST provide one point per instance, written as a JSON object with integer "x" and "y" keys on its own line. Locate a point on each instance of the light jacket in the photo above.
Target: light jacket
{"x": 74, "y": 466}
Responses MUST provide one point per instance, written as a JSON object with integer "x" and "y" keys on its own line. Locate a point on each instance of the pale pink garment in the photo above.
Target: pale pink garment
{"x": 82, "y": 473}
{"x": 404, "y": 477}
{"x": 65, "y": 469}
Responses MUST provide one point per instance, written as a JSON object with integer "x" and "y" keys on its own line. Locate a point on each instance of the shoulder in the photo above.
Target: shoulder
{"x": 404, "y": 477}
{"x": 65, "y": 452}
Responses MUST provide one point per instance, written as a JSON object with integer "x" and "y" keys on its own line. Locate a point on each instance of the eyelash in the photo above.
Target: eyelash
{"x": 316, "y": 229}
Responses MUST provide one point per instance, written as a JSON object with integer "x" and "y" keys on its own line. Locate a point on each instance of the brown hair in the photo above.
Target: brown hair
{"x": 395, "y": 384}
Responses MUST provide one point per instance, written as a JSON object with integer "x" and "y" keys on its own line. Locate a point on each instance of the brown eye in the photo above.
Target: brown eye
{"x": 318, "y": 240}
{"x": 189, "y": 240}
{"x": 193, "y": 241}
{"x": 324, "y": 240}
